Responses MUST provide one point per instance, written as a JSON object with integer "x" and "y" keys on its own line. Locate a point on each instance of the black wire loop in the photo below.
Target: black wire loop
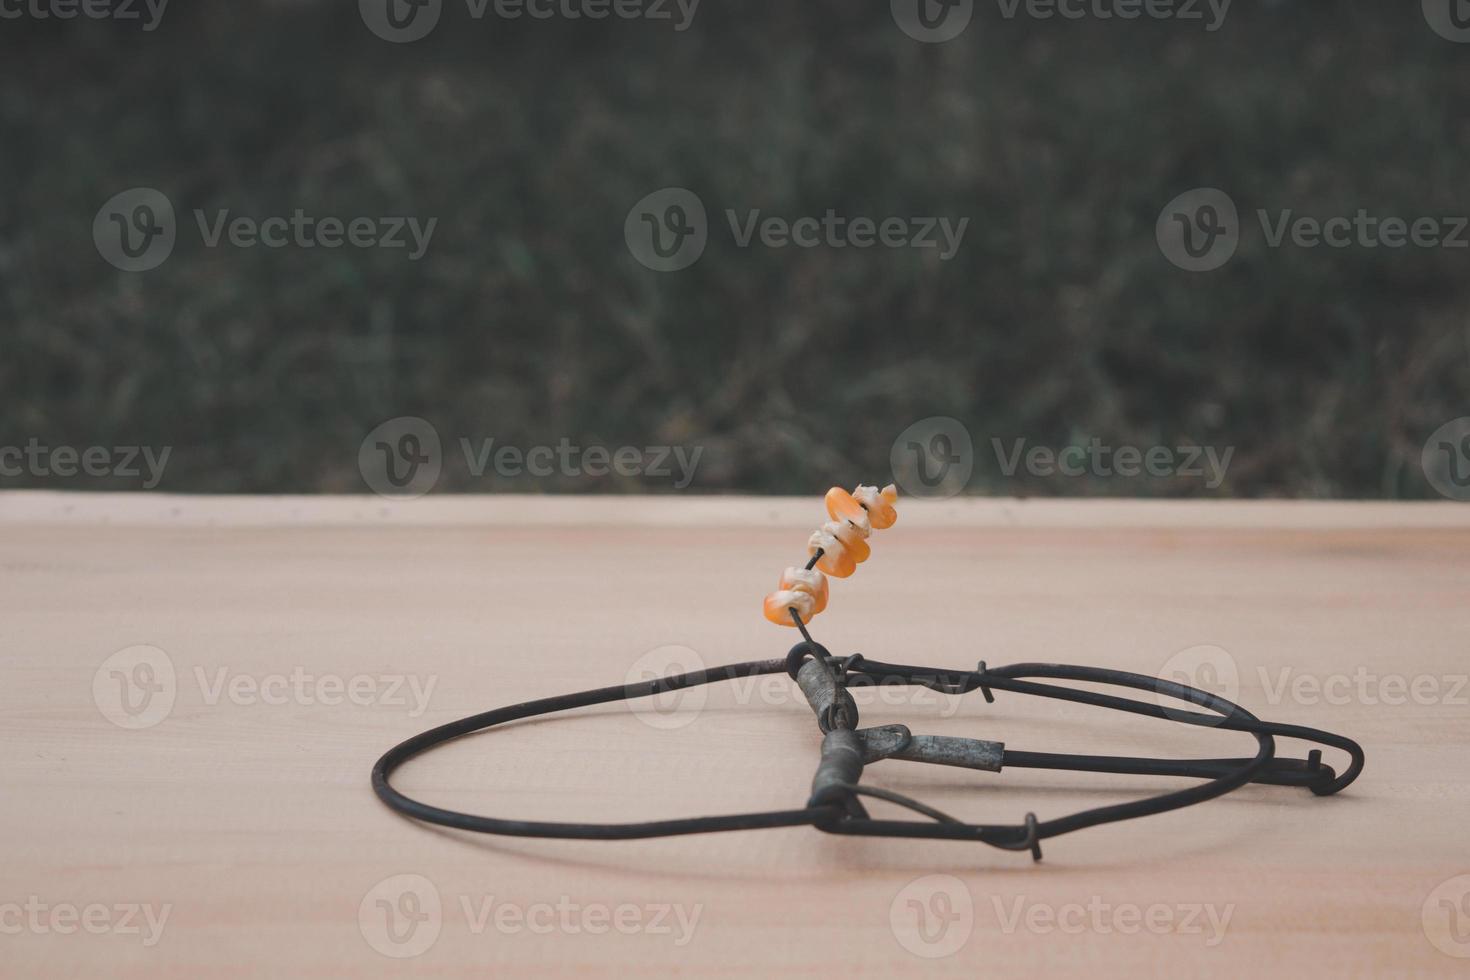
{"x": 838, "y": 810}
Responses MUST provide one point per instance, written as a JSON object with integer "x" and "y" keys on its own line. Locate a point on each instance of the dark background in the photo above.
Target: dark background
{"x": 529, "y": 320}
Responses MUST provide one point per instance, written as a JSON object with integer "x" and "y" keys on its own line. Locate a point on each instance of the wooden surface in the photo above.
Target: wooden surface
{"x": 244, "y": 812}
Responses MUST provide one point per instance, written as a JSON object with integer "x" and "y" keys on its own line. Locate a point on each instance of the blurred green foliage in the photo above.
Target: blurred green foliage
{"x": 529, "y": 321}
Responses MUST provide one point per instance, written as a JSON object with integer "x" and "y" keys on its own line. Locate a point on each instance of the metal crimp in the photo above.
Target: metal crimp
{"x": 949, "y": 750}
{"x": 834, "y": 706}
{"x": 840, "y": 769}
{"x": 897, "y": 742}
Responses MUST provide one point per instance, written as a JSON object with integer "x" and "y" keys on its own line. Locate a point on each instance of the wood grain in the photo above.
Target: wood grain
{"x": 245, "y": 810}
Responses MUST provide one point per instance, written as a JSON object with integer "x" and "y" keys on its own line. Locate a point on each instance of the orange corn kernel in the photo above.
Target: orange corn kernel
{"x": 851, "y": 537}
{"x": 843, "y": 506}
{"x": 835, "y": 559}
{"x": 807, "y": 580}
{"x": 879, "y": 503}
{"x": 779, "y": 604}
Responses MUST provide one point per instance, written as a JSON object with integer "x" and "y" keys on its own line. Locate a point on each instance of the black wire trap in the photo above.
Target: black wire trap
{"x": 835, "y": 802}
